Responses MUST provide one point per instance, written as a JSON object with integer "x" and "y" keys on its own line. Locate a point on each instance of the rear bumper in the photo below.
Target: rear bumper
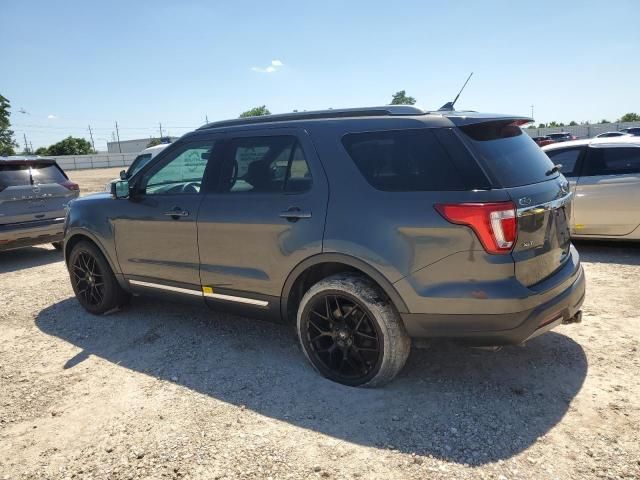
{"x": 17, "y": 235}
{"x": 504, "y": 328}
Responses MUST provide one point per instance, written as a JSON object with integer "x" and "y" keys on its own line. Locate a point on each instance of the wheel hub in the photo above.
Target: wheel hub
{"x": 344, "y": 339}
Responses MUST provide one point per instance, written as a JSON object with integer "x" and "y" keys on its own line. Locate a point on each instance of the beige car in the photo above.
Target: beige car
{"x": 604, "y": 174}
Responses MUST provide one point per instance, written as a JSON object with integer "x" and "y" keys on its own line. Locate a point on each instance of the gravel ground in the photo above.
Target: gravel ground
{"x": 163, "y": 390}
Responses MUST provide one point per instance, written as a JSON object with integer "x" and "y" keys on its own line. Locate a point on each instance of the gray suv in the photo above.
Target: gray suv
{"x": 33, "y": 195}
{"x": 363, "y": 227}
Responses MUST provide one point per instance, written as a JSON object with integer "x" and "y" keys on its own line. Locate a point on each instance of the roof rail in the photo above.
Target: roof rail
{"x": 387, "y": 110}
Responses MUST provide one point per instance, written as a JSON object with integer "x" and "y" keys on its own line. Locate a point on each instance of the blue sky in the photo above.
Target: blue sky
{"x": 74, "y": 63}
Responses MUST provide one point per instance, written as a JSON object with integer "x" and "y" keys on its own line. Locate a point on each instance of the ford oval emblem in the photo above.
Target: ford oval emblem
{"x": 524, "y": 201}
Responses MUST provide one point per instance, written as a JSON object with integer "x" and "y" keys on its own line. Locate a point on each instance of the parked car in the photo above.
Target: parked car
{"x": 34, "y": 192}
{"x": 605, "y": 176}
{"x": 561, "y": 137}
{"x": 361, "y": 227}
{"x": 611, "y": 134}
{"x": 140, "y": 161}
{"x": 635, "y": 131}
{"x": 542, "y": 141}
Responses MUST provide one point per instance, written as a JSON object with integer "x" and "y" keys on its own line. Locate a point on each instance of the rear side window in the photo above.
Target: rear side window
{"x": 269, "y": 164}
{"x": 14, "y": 176}
{"x": 613, "y": 161}
{"x": 568, "y": 158}
{"x": 511, "y": 156}
{"x": 403, "y": 160}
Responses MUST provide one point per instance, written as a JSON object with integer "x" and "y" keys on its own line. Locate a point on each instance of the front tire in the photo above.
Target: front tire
{"x": 93, "y": 281}
{"x": 351, "y": 333}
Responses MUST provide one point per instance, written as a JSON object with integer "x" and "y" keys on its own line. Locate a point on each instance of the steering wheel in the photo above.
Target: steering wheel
{"x": 191, "y": 187}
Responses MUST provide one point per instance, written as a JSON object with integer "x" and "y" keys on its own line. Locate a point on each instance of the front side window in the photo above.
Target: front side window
{"x": 613, "y": 161}
{"x": 265, "y": 165}
{"x": 568, "y": 158}
{"x": 403, "y": 160}
{"x": 181, "y": 174}
{"x": 139, "y": 162}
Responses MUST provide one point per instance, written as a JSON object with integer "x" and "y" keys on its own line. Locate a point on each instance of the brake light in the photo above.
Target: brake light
{"x": 495, "y": 223}
{"x": 68, "y": 184}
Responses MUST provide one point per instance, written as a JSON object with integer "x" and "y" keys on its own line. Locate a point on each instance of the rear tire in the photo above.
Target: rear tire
{"x": 57, "y": 245}
{"x": 351, "y": 333}
{"x": 93, "y": 281}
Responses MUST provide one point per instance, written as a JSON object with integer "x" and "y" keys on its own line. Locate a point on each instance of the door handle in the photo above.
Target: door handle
{"x": 176, "y": 213}
{"x": 293, "y": 214}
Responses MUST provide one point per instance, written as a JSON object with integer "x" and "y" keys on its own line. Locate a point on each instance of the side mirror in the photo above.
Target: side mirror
{"x": 120, "y": 189}
{"x": 123, "y": 174}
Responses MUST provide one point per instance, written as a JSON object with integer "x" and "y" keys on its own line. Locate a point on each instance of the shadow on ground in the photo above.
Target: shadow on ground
{"x": 456, "y": 403}
{"x": 29, "y": 257}
{"x": 621, "y": 253}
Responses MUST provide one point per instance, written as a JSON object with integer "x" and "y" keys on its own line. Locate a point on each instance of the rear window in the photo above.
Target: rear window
{"x": 21, "y": 175}
{"x": 47, "y": 173}
{"x": 403, "y": 160}
{"x": 511, "y": 156}
{"x": 14, "y": 176}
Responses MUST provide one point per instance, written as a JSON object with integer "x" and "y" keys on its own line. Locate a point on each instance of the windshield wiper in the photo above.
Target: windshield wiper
{"x": 556, "y": 168}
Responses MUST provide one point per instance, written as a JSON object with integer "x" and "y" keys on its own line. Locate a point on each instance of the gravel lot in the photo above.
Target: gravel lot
{"x": 164, "y": 390}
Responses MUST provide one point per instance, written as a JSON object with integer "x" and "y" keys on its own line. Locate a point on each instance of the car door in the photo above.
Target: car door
{"x": 157, "y": 239}
{"x": 570, "y": 159}
{"x": 608, "y": 191}
{"x": 267, "y": 215}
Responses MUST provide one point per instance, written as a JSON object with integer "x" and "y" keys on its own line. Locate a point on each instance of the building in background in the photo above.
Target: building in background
{"x": 134, "y": 146}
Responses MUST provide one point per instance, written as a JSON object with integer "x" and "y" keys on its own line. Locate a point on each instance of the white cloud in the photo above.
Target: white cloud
{"x": 51, "y": 116}
{"x": 275, "y": 64}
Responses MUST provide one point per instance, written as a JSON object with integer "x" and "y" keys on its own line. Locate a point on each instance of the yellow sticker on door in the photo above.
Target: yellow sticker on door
{"x": 207, "y": 290}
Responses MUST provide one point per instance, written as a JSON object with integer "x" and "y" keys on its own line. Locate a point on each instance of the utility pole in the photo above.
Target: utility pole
{"x": 206, "y": 117}
{"x": 91, "y": 135}
{"x": 118, "y": 134}
{"x": 531, "y": 111}
{"x": 26, "y": 144}
{"x": 160, "y": 123}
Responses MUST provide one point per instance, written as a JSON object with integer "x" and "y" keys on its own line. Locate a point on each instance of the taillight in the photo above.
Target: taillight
{"x": 495, "y": 223}
{"x": 68, "y": 184}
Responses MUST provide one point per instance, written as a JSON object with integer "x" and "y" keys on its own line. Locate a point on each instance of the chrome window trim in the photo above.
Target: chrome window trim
{"x": 542, "y": 207}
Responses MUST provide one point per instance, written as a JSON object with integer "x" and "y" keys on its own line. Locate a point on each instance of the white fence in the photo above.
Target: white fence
{"x": 99, "y": 160}
{"x": 582, "y": 131}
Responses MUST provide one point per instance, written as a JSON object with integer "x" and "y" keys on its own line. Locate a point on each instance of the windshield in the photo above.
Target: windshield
{"x": 139, "y": 162}
{"x": 510, "y": 155}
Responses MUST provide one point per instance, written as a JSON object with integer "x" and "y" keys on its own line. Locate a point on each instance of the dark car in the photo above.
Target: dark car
{"x": 362, "y": 227}
{"x": 542, "y": 141}
{"x": 33, "y": 195}
{"x": 561, "y": 137}
{"x": 635, "y": 131}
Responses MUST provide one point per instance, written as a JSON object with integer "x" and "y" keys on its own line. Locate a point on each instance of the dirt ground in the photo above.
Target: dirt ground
{"x": 164, "y": 390}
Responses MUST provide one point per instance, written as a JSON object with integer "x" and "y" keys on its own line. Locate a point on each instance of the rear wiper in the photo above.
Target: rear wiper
{"x": 556, "y": 168}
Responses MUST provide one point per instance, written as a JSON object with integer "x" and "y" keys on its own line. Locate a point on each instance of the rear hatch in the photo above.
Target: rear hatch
{"x": 513, "y": 161}
{"x": 33, "y": 190}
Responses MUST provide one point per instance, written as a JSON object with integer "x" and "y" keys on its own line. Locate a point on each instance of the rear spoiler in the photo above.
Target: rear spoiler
{"x": 462, "y": 118}
{"x": 29, "y": 161}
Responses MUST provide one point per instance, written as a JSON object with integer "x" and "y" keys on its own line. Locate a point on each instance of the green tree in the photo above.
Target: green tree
{"x": 42, "y": 151}
{"x": 70, "y": 146}
{"x": 604, "y": 120}
{"x": 401, "y": 98}
{"x": 153, "y": 142}
{"x": 7, "y": 143}
{"x": 542, "y": 125}
{"x": 573, "y": 123}
{"x": 256, "y": 112}
{"x": 630, "y": 117}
